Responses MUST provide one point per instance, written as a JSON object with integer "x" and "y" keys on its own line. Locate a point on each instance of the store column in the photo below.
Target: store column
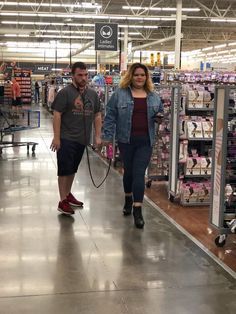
{"x": 178, "y": 34}
{"x": 124, "y": 56}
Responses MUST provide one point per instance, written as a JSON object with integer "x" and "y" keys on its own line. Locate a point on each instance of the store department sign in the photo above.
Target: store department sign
{"x": 106, "y": 36}
{"x": 43, "y": 68}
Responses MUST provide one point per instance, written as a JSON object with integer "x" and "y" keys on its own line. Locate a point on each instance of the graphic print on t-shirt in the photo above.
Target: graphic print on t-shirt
{"x": 79, "y": 106}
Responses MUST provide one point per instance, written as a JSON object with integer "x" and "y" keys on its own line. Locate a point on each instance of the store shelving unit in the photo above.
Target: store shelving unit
{"x": 158, "y": 169}
{"x": 223, "y": 199}
{"x": 191, "y": 145}
{"x": 23, "y": 77}
{"x": 7, "y": 93}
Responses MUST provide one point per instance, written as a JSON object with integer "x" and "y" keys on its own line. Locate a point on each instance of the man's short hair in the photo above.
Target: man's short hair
{"x": 78, "y": 65}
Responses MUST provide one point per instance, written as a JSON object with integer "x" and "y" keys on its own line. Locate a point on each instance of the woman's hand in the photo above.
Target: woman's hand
{"x": 159, "y": 118}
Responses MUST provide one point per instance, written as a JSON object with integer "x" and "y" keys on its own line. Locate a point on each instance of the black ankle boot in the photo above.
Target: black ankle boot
{"x": 127, "y": 210}
{"x": 138, "y": 217}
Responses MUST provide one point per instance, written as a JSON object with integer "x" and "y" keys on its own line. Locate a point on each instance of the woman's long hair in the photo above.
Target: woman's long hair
{"x": 127, "y": 79}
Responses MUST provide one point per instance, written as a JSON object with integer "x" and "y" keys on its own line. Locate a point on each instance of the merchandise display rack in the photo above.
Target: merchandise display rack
{"x": 223, "y": 199}
{"x": 191, "y": 144}
{"x": 23, "y": 77}
{"x": 199, "y": 77}
{"x": 7, "y": 93}
{"x": 158, "y": 168}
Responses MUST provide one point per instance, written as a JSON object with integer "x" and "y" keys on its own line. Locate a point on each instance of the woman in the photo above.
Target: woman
{"x": 131, "y": 114}
{"x": 51, "y": 94}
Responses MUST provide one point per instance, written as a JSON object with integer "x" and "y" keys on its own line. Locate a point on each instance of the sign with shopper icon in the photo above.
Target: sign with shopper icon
{"x": 106, "y": 36}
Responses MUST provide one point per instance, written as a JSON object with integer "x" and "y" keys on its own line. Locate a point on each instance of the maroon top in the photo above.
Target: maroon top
{"x": 140, "y": 118}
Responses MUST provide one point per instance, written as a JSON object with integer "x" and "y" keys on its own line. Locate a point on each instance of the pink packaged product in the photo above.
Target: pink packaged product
{"x": 189, "y": 192}
{"x": 204, "y": 192}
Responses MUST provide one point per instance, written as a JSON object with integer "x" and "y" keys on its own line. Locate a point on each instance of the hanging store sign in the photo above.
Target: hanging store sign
{"x": 158, "y": 59}
{"x": 42, "y": 68}
{"x": 106, "y": 36}
{"x": 152, "y": 61}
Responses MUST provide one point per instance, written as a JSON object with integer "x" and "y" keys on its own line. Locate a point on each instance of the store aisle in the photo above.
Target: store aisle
{"x": 95, "y": 262}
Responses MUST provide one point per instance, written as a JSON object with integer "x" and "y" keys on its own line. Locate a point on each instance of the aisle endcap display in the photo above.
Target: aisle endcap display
{"x": 158, "y": 169}
{"x": 23, "y": 77}
{"x": 191, "y": 145}
{"x": 223, "y": 199}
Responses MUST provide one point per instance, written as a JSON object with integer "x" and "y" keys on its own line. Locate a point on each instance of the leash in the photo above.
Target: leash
{"x": 109, "y": 155}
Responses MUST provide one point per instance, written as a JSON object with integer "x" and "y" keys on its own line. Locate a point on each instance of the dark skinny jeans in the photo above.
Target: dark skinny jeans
{"x": 136, "y": 156}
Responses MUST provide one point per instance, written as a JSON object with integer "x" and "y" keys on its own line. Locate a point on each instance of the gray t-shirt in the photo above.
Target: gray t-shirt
{"x": 68, "y": 101}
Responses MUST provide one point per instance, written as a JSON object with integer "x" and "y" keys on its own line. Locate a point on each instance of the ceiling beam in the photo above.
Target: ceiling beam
{"x": 203, "y": 6}
{"x": 78, "y": 51}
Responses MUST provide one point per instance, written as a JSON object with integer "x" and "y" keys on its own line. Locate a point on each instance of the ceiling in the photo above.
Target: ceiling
{"x": 42, "y": 22}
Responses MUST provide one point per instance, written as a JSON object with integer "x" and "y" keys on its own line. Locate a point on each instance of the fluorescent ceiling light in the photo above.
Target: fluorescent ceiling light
{"x": 85, "y": 5}
{"x": 9, "y": 14}
{"x": 224, "y": 20}
{"x": 16, "y": 35}
{"x": 77, "y": 32}
{"x": 125, "y": 7}
{"x": 207, "y": 49}
{"x": 51, "y": 36}
{"x": 76, "y": 24}
{"x": 232, "y": 44}
{"x": 223, "y": 52}
{"x": 168, "y": 18}
{"x": 220, "y": 46}
{"x": 86, "y": 16}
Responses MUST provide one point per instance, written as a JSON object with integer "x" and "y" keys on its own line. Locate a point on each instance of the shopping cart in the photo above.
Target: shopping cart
{"x": 12, "y": 122}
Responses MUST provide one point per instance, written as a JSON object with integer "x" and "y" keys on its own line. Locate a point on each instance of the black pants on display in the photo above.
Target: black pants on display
{"x": 136, "y": 156}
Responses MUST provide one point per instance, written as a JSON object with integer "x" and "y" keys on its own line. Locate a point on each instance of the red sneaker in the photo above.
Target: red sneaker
{"x": 65, "y": 208}
{"x": 73, "y": 201}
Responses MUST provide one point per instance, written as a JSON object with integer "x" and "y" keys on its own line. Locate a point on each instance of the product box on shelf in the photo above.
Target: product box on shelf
{"x": 183, "y": 133}
{"x": 193, "y": 166}
{"x": 183, "y": 151}
{"x": 189, "y": 193}
{"x": 207, "y": 127}
{"x": 194, "y": 129}
{"x": 204, "y": 192}
{"x": 195, "y": 99}
{"x": 208, "y": 102}
{"x": 206, "y": 163}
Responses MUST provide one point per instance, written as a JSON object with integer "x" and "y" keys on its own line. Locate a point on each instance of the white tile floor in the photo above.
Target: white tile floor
{"x": 95, "y": 262}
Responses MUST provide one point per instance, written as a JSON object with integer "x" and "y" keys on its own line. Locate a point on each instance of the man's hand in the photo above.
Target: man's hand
{"x": 98, "y": 141}
{"x": 56, "y": 144}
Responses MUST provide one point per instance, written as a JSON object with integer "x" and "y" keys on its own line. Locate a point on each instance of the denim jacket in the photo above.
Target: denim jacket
{"x": 118, "y": 119}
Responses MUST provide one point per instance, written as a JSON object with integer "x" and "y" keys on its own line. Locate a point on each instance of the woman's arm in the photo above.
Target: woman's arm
{"x": 110, "y": 120}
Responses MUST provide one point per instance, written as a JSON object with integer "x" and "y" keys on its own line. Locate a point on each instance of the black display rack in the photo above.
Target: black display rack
{"x": 191, "y": 144}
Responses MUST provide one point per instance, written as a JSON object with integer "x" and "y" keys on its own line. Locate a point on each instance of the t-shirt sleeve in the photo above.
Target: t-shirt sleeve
{"x": 97, "y": 105}
{"x": 60, "y": 102}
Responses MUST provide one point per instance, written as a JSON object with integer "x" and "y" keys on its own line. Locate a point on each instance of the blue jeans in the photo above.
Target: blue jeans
{"x": 136, "y": 156}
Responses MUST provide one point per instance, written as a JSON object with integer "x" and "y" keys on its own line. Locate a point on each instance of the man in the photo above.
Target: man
{"x": 36, "y": 92}
{"x": 16, "y": 95}
{"x": 75, "y": 107}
